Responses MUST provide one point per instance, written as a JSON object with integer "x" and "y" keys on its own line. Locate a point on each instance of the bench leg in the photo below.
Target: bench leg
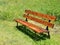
{"x": 48, "y": 32}
{"x": 17, "y": 24}
{"x": 48, "y": 29}
{"x": 48, "y": 35}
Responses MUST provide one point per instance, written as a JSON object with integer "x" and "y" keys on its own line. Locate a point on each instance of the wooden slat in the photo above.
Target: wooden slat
{"x": 41, "y": 15}
{"x": 34, "y": 27}
{"x": 39, "y": 20}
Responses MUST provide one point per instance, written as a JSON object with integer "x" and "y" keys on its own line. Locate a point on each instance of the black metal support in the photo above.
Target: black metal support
{"x": 17, "y": 24}
{"x": 48, "y": 32}
{"x": 26, "y": 18}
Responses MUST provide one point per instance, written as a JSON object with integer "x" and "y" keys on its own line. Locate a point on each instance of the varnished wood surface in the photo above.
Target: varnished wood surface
{"x": 41, "y": 15}
{"x": 40, "y": 21}
{"x": 32, "y": 26}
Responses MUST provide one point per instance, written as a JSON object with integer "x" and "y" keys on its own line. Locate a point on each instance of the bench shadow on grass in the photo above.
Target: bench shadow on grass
{"x": 31, "y": 34}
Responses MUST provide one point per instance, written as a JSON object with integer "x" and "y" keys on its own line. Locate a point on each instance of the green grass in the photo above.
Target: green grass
{"x": 12, "y": 9}
{"x": 10, "y": 35}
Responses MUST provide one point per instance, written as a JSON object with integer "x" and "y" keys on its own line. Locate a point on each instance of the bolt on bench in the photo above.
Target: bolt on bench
{"x": 35, "y": 28}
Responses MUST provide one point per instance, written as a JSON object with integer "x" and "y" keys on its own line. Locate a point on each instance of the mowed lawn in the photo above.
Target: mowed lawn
{"x": 10, "y": 35}
{"x": 12, "y": 9}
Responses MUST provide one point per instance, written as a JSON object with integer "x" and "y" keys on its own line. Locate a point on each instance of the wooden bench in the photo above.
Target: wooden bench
{"x": 35, "y": 28}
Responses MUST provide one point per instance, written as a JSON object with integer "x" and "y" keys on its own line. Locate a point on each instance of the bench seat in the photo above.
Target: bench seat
{"x": 32, "y": 26}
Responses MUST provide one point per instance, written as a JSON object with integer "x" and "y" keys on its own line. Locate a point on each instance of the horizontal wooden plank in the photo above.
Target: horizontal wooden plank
{"x": 41, "y": 15}
{"x": 39, "y": 21}
{"x": 32, "y": 26}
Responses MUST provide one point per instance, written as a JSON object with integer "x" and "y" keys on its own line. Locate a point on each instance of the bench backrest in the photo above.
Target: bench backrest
{"x": 40, "y": 15}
